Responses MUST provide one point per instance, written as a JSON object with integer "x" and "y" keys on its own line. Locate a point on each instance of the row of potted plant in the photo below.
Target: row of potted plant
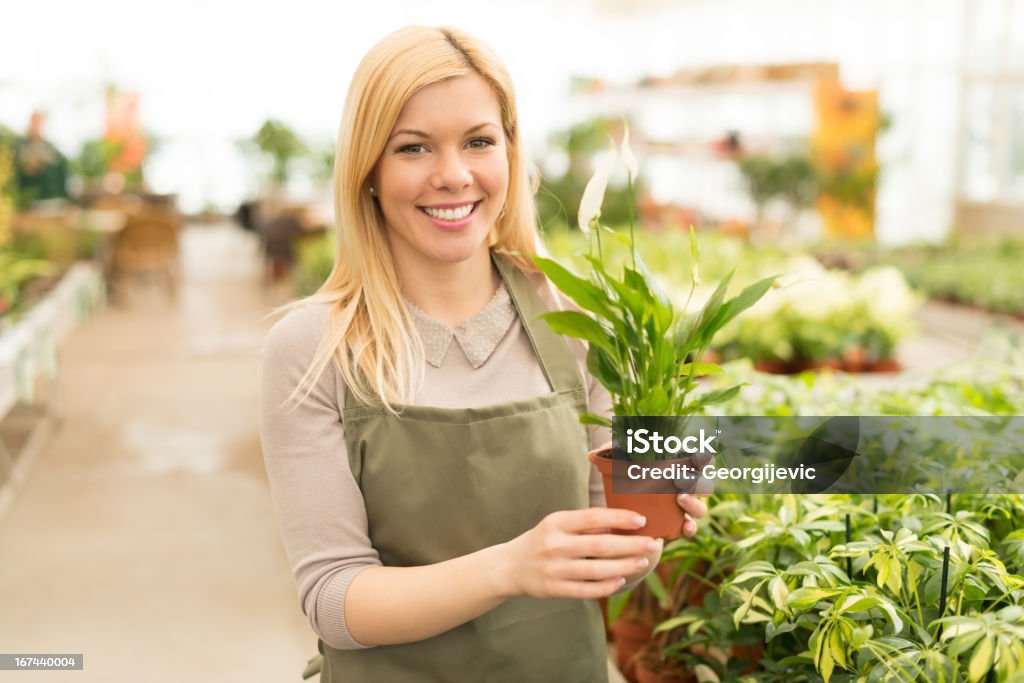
{"x": 815, "y": 317}
{"x": 982, "y": 274}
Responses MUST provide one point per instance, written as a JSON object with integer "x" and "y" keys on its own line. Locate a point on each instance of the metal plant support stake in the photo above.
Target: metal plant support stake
{"x": 849, "y": 537}
{"x": 942, "y": 595}
{"x": 949, "y": 502}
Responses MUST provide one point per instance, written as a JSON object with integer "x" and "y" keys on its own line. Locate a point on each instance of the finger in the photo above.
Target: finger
{"x": 704, "y": 487}
{"x": 689, "y": 527}
{"x": 692, "y": 505}
{"x": 599, "y": 570}
{"x": 577, "y": 521}
{"x": 608, "y": 546}
{"x": 587, "y": 590}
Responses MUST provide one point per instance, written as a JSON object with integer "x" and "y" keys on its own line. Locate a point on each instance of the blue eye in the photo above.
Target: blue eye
{"x": 411, "y": 149}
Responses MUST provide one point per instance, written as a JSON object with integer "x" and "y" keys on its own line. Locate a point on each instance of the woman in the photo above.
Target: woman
{"x": 420, "y": 423}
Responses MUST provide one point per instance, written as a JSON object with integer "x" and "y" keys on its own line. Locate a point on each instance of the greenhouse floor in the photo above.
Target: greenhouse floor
{"x": 144, "y": 537}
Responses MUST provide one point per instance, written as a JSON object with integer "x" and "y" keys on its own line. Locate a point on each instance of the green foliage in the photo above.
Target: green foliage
{"x": 641, "y": 348}
{"x": 785, "y": 562}
{"x": 94, "y": 159}
{"x": 281, "y": 144}
{"x": 16, "y": 270}
{"x": 315, "y": 260}
{"x": 792, "y": 179}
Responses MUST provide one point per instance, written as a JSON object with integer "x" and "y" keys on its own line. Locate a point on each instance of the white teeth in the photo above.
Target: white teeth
{"x": 450, "y": 214}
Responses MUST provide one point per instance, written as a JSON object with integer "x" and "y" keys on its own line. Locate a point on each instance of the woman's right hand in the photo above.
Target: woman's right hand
{"x": 571, "y": 554}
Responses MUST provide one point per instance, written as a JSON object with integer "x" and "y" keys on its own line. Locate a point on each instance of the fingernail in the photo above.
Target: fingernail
{"x": 682, "y": 497}
{"x": 642, "y": 563}
{"x": 622, "y": 580}
{"x": 639, "y": 520}
{"x": 652, "y": 546}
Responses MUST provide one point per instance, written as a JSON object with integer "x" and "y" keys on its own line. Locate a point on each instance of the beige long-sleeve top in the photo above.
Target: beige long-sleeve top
{"x": 486, "y": 360}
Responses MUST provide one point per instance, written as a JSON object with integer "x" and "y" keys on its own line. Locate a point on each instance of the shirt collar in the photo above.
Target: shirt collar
{"x": 478, "y": 336}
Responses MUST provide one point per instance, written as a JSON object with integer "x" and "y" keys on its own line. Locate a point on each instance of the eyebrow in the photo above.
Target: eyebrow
{"x": 421, "y": 134}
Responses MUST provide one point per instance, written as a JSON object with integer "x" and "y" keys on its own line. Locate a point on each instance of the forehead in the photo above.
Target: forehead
{"x": 451, "y": 103}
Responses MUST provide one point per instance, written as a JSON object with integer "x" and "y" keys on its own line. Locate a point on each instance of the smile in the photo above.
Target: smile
{"x": 451, "y": 214}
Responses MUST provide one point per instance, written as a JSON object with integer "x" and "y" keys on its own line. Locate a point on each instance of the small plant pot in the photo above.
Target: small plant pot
{"x": 630, "y": 637}
{"x": 664, "y": 516}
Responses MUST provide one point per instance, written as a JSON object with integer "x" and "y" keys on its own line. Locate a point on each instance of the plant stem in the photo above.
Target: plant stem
{"x": 632, "y": 219}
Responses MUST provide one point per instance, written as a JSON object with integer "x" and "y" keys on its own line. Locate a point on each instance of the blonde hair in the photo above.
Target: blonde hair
{"x": 370, "y": 333}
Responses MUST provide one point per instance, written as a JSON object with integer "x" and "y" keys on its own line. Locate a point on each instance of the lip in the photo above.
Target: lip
{"x": 449, "y": 225}
{"x": 449, "y": 205}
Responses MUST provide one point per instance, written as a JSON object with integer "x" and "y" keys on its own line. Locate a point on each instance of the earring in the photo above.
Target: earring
{"x": 373, "y": 192}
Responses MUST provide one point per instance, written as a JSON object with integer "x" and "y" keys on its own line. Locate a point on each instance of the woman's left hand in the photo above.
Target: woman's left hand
{"x": 695, "y": 508}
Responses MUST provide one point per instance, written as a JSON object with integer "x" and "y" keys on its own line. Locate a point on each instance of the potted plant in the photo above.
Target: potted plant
{"x": 642, "y": 349}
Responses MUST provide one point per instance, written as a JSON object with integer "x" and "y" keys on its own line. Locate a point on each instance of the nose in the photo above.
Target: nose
{"x": 451, "y": 172}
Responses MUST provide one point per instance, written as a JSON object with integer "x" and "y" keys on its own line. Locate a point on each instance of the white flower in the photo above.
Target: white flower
{"x": 825, "y": 295}
{"x": 886, "y": 294}
{"x": 593, "y": 194}
{"x": 628, "y": 160}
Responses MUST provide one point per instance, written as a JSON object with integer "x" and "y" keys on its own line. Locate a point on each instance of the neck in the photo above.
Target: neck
{"x": 451, "y": 292}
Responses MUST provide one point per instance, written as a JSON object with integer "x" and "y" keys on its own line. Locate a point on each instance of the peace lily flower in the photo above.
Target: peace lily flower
{"x": 593, "y": 193}
{"x": 643, "y": 348}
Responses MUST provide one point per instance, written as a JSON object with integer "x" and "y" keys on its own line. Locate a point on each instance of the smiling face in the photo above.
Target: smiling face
{"x": 442, "y": 179}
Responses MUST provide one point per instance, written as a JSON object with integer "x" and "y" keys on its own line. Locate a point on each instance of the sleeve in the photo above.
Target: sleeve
{"x": 319, "y": 505}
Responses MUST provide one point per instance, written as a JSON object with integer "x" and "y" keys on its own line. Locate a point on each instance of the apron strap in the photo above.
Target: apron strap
{"x": 556, "y": 360}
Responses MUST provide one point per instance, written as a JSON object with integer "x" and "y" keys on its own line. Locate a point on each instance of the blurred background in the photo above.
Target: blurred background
{"x": 165, "y": 183}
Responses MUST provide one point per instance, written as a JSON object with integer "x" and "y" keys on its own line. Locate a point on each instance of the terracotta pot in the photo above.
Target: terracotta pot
{"x": 884, "y": 365}
{"x": 630, "y": 638}
{"x": 772, "y": 367}
{"x": 664, "y": 516}
{"x": 749, "y": 653}
{"x": 651, "y": 669}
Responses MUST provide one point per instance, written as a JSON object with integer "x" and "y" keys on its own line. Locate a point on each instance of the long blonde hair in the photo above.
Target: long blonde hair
{"x": 370, "y": 333}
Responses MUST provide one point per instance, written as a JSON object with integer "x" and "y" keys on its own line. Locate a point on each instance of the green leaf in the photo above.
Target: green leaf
{"x": 771, "y": 630}
{"x": 825, "y": 662}
{"x": 592, "y": 419}
{"x": 587, "y": 295}
{"x": 617, "y": 603}
{"x": 742, "y": 301}
{"x": 964, "y": 642}
{"x": 581, "y": 326}
{"x": 779, "y": 591}
{"x": 805, "y": 598}
{"x": 718, "y": 396}
{"x": 604, "y": 369}
{"x": 700, "y": 369}
{"x": 657, "y": 588}
{"x": 705, "y": 674}
{"x": 982, "y": 659}
{"x": 675, "y": 622}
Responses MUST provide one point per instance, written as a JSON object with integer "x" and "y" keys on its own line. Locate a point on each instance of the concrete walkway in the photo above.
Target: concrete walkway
{"x": 144, "y": 537}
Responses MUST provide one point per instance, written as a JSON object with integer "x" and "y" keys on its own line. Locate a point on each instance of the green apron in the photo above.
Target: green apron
{"x": 440, "y": 483}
